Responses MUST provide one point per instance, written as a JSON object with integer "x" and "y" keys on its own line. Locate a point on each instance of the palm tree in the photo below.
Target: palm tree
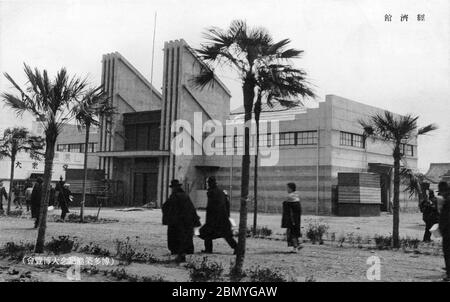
{"x": 284, "y": 84}
{"x": 14, "y": 141}
{"x": 243, "y": 49}
{"x": 51, "y": 102}
{"x": 396, "y": 130}
{"x": 94, "y": 103}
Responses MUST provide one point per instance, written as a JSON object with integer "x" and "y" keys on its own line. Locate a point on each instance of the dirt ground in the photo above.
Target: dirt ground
{"x": 327, "y": 262}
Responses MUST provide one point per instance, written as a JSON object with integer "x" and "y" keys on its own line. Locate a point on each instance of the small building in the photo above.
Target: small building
{"x": 438, "y": 172}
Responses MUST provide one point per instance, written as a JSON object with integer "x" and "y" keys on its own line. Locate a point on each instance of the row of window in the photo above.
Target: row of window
{"x": 357, "y": 141}
{"x": 269, "y": 139}
{"x": 352, "y": 140}
{"x": 76, "y": 148}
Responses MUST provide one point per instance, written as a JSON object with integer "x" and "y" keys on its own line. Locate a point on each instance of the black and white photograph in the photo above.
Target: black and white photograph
{"x": 223, "y": 148}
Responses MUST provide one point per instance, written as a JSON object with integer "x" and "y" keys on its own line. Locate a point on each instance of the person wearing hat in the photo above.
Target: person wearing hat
{"x": 217, "y": 223}
{"x": 444, "y": 225}
{"x": 36, "y": 196}
{"x": 181, "y": 218}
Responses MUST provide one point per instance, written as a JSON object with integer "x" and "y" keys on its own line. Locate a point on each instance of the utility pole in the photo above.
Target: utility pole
{"x": 153, "y": 57}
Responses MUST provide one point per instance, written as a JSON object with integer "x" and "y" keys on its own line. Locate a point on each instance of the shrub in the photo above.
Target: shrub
{"x": 383, "y": 242}
{"x": 121, "y": 274}
{"x": 16, "y": 251}
{"x": 124, "y": 250}
{"x": 94, "y": 249}
{"x": 15, "y": 213}
{"x": 410, "y": 243}
{"x": 204, "y": 271}
{"x": 75, "y": 218}
{"x": 341, "y": 240}
{"x": 62, "y": 245}
{"x": 315, "y": 232}
{"x": 153, "y": 279}
{"x": 258, "y": 274}
{"x": 260, "y": 232}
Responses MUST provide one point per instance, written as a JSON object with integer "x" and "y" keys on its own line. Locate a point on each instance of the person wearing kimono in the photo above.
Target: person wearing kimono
{"x": 181, "y": 218}
{"x": 291, "y": 218}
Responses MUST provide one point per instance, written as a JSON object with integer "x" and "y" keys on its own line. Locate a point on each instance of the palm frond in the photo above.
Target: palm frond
{"x": 426, "y": 129}
{"x": 205, "y": 78}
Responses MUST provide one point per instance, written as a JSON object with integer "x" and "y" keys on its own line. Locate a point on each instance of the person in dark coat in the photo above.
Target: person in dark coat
{"x": 430, "y": 214}
{"x": 217, "y": 223}
{"x": 444, "y": 225}
{"x": 181, "y": 218}
{"x": 64, "y": 199}
{"x": 51, "y": 197}
{"x": 2, "y": 194}
{"x": 291, "y": 218}
{"x": 36, "y": 197}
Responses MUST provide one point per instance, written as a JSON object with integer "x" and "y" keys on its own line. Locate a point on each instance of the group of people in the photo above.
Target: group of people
{"x": 33, "y": 196}
{"x": 181, "y": 218}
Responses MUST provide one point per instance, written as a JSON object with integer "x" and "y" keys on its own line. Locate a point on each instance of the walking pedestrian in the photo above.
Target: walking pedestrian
{"x": 64, "y": 198}
{"x": 36, "y": 196}
{"x": 217, "y": 223}
{"x": 444, "y": 225}
{"x": 291, "y": 218}
{"x": 28, "y": 192}
{"x": 181, "y": 218}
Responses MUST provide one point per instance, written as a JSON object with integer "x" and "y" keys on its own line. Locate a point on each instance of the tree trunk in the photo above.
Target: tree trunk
{"x": 255, "y": 174}
{"x": 83, "y": 198}
{"x": 11, "y": 181}
{"x": 396, "y": 201}
{"x": 49, "y": 155}
{"x": 249, "y": 94}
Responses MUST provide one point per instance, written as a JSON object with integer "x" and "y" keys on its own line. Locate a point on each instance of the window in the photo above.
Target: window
{"x": 352, "y": 139}
{"x": 307, "y": 138}
{"x": 63, "y": 148}
{"x": 273, "y": 139}
{"x": 238, "y": 141}
{"x": 228, "y": 141}
{"x": 407, "y": 150}
{"x": 287, "y": 138}
{"x": 75, "y": 148}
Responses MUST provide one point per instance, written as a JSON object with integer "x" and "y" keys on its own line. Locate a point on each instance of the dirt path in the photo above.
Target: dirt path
{"x": 327, "y": 262}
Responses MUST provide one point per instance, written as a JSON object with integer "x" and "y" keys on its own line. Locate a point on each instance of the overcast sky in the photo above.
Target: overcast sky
{"x": 349, "y": 49}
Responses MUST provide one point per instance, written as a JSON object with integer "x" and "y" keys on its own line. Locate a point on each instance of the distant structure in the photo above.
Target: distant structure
{"x": 438, "y": 172}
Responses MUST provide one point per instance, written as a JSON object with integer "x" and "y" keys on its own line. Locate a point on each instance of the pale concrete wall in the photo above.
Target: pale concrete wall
{"x": 181, "y": 100}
